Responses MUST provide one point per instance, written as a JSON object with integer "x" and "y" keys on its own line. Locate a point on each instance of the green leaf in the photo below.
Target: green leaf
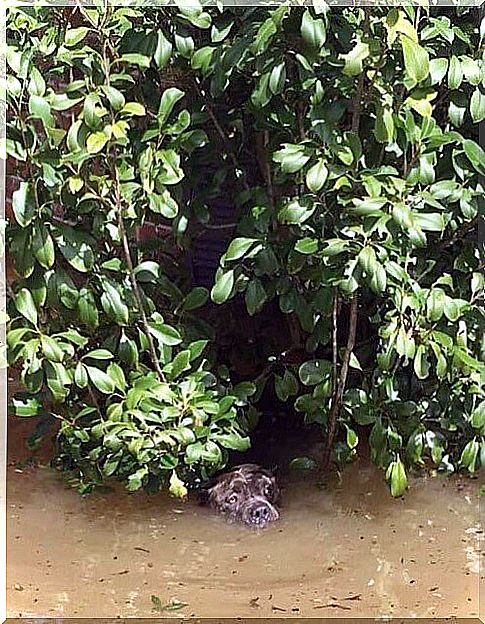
{"x": 115, "y": 97}
{"x": 58, "y": 380}
{"x": 81, "y": 376}
{"x": 163, "y": 50}
{"x": 39, "y": 109}
{"x": 165, "y": 334}
{"x": 368, "y": 260}
{"x": 196, "y": 298}
{"x": 416, "y": 59}
{"x": 113, "y": 305}
{"x": 314, "y": 372}
{"x": 477, "y": 106}
{"x": 177, "y": 486}
{"x": 477, "y": 419}
{"x": 414, "y": 447}
{"x": 398, "y": 478}
{"x": 43, "y": 247}
{"x": 73, "y": 36}
{"x": 171, "y": 173}
{"x": 454, "y": 308}
{"x": 455, "y": 73}
{"x": 101, "y": 380}
{"x": 163, "y": 204}
{"x": 378, "y": 280}
{"x": 435, "y": 304}
{"x": 135, "y": 480}
{"x": 169, "y": 98}
{"x": 307, "y": 246}
{"x": 334, "y": 247}
{"x": 304, "y": 464}
{"x": 117, "y": 375}
{"x": 136, "y": 59}
{"x": 196, "y": 348}
{"x": 51, "y": 349}
{"x": 469, "y": 455}
{"x": 420, "y": 101}
{"x": 313, "y": 30}
{"x": 128, "y": 351}
{"x": 76, "y": 248}
{"x": 180, "y": 363}
{"x": 24, "y": 303}
{"x": 185, "y": 45}
{"x": 233, "y": 441}
{"x": 133, "y": 109}
{"x": 222, "y": 289}
{"x": 421, "y": 364}
{"x": 255, "y": 296}
{"x": 316, "y": 176}
{"x": 475, "y": 154}
{"x": 95, "y": 142}
{"x": 264, "y": 35}
{"x": 99, "y": 354}
{"x": 23, "y": 204}
{"x": 354, "y": 362}
{"x": 355, "y": 58}
{"x": 147, "y": 271}
{"x": 202, "y": 59}
{"x": 352, "y": 438}
{"x": 25, "y": 408}
{"x": 239, "y": 247}
{"x": 471, "y": 70}
{"x": 277, "y": 78}
{"x": 88, "y": 312}
{"x": 295, "y": 212}
{"x": 291, "y": 157}
{"x": 437, "y": 69}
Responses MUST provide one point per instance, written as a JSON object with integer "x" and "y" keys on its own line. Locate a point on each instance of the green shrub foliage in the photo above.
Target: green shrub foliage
{"x": 346, "y": 140}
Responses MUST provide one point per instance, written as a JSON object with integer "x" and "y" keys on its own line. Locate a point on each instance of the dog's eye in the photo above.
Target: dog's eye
{"x": 268, "y": 490}
{"x": 231, "y": 500}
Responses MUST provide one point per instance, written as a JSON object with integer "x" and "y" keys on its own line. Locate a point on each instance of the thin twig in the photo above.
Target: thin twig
{"x": 460, "y": 233}
{"x": 131, "y": 273}
{"x": 332, "y": 605}
{"x": 223, "y": 136}
{"x": 267, "y": 173}
{"x": 334, "y": 344}
{"x": 357, "y": 104}
{"x": 332, "y": 418}
{"x": 300, "y": 119}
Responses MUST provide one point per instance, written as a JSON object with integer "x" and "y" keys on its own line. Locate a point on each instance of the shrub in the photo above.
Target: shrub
{"x": 346, "y": 139}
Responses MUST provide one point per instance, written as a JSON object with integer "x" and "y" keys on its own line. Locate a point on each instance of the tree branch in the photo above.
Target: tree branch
{"x": 338, "y": 396}
{"x": 131, "y": 273}
{"x": 460, "y": 233}
{"x": 335, "y": 344}
{"x": 223, "y": 136}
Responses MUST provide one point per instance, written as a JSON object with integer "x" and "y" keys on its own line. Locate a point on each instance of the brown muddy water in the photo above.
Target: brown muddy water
{"x": 343, "y": 550}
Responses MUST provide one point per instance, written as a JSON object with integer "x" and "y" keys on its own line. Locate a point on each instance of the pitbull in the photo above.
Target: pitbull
{"x": 246, "y": 493}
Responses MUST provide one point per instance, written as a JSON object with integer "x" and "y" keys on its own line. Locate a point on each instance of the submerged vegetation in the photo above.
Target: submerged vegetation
{"x": 342, "y": 146}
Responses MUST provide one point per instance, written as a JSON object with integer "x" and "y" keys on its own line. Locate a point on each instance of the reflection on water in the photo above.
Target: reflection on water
{"x": 343, "y": 550}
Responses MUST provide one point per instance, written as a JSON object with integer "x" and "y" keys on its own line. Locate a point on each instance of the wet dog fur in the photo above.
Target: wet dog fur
{"x": 246, "y": 493}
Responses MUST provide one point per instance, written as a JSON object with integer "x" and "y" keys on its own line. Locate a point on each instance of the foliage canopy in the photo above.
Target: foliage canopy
{"x": 346, "y": 140}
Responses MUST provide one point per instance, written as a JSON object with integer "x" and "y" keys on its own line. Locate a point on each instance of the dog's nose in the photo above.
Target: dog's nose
{"x": 260, "y": 514}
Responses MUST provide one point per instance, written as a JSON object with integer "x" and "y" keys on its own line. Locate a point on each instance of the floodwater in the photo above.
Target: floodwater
{"x": 343, "y": 550}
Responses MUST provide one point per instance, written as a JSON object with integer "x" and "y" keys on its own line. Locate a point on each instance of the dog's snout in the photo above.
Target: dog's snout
{"x": 260, "y": 514}
{"x": 246, "y": 494}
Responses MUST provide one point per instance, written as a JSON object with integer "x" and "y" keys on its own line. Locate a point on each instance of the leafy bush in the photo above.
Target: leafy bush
{"x": 346, "y": 140}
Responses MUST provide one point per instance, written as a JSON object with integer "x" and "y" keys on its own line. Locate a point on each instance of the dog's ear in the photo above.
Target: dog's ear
{"x": 273, "y": 471}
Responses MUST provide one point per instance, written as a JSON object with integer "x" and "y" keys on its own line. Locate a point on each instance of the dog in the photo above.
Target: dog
{"x": 246, "y": 493}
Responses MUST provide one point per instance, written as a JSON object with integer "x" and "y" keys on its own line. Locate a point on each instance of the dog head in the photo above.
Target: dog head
{"x": 245, "y": 494}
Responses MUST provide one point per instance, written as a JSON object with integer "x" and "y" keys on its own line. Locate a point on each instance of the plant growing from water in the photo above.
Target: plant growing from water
{"x": 347, "y": 141}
